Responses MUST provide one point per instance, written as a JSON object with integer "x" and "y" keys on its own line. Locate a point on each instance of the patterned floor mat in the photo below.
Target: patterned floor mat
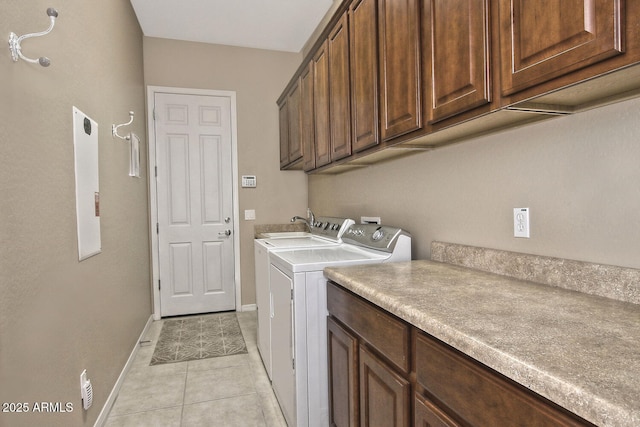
{"x": 198, "y": 337}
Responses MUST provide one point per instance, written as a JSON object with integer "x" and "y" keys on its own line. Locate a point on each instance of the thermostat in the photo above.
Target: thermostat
{"x": 249, "y": 181}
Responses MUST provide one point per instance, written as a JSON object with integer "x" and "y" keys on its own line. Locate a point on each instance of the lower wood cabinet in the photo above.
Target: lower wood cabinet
{"x": 428, "y": 414}
{"x": 384, "y": 394}
{"x": 385, "y": 372}
{"x": 343, "y": 376}
{"x": 475, "y": 395}
{"x": 368, "y": 353}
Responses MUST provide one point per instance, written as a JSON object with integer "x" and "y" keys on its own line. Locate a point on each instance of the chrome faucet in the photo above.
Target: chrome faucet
{"x": 310, "y": 221}
{"x": 299, "y": 218}
{"x": 312, "y": 218}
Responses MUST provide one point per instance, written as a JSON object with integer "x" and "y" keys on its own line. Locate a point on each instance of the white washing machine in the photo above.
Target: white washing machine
{"x": 299, "y": 315}
{"x": 324, "y": 232}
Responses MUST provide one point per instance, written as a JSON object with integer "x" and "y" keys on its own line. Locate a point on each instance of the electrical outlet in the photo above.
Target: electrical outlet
{"x": 521, "y": 222}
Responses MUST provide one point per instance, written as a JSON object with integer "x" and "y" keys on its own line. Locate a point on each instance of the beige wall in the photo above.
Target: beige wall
{"x": 579, "y": 175}
{"x": 59, "y": 316}
{"x": 258, "y": 77}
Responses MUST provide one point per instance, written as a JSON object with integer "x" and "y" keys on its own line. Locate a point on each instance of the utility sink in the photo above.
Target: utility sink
{"x": 284, "y": 234}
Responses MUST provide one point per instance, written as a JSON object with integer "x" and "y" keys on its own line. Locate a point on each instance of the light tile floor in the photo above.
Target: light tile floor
{"x": 222, "y": 391}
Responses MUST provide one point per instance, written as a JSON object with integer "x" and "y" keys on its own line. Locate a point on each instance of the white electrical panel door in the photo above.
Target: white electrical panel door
{"x": 85, "y": 143}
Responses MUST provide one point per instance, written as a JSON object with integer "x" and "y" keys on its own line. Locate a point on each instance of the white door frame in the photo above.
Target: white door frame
{"x": 153, "y": 202}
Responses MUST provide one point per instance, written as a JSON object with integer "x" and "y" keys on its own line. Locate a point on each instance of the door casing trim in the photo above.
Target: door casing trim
{"x": 153, "y": 202}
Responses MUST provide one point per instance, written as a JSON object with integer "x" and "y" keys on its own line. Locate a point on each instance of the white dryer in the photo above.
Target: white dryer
{"x": 299, "y": 315}
{"x": 324, "y": 232}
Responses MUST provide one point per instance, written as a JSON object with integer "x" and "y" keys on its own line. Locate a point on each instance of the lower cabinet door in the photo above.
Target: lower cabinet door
{"x": 384, "y": 394}
{"x": 426, "y": 414}
{"x": 343, "y": 376}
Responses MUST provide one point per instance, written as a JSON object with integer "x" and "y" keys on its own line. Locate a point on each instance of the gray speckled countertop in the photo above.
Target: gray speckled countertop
{"x": 578, "y": 350}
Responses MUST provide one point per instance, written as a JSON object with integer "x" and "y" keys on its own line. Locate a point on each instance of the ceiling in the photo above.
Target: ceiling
{"x": 283, "y": 25}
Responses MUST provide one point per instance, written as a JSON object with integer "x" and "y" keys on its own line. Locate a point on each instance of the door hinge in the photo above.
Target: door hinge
{"x": 154, "y": 114}
{"x": 293, "y": 364}
{"x": 157, "y": 228}
{"x": 291, "y": 294}
{"x": 156, "y": 171}
{"x": 159, "y": 285}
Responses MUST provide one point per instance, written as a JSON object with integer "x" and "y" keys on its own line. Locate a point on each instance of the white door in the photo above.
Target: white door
{"x": 194, "y": 186}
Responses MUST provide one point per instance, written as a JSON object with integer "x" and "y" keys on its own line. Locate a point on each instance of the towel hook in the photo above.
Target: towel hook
{"x": 114, "y": 128}
{"x": 16, "y": 49}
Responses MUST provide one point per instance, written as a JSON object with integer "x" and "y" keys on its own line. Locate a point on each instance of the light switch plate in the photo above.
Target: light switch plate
{"x": 249, "y": 214}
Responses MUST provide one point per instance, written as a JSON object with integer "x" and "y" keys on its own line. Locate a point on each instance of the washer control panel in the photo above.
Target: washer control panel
{"x": 373, "y": 236}
{"x": 330, "y": 227}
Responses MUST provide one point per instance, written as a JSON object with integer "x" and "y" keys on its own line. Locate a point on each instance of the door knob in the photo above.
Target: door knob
{"x": 227, "y": 220}
{"x": 225, "y": 233}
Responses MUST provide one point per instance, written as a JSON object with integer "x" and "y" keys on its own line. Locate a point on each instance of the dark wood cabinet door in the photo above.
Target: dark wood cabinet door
{"x": 544, "y": 39}
{"x": 400, "y": 68}
{"x": 458, "y": 46}
{"x": 339, "y": 92}
{"x": 427, "y": 414}
{"x": 294, "y": 118}
{"x": 363, "y": 43}
{"x": 480, "y": 396}
{"x": 343, "y": 376}
{"x": 384, "y": 394}
{"x": 307, "y": 121}
{"x": 284, "y": 134}
{"x": 321, "y": 106}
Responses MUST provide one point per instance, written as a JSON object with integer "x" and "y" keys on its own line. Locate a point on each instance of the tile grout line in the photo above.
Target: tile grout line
{"x": 184, "y": 394}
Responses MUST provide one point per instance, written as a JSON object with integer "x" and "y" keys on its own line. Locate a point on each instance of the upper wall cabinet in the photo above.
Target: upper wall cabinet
{"x": 339, "y": 90}
{"x": 363, "y": 43}
{"x": 457, "y": 42}
{"x": 419, "y": 74}
{"x": 290, "y": 127}
{"x": 295, "y": 129}
{"x": 321, "y": 105}
{"x": 307, "y": 119}
{"x": 400, "y": 73}
{"x": 542, "y": 40}
{"x": 284, "y": 133}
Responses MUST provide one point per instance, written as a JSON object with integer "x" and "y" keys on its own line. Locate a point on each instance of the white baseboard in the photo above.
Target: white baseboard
{"x": 106, "y": 409}
{"x": 249, "y": 307}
